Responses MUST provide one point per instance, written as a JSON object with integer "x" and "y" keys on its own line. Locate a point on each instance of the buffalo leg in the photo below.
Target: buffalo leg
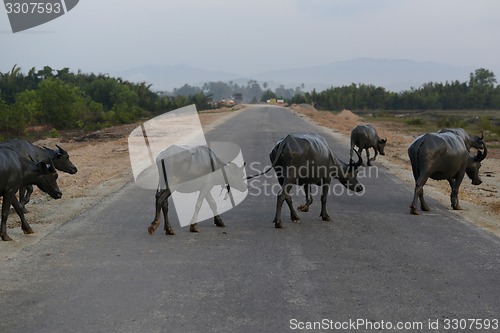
{"x": 7, "y": 200}
{"x": 423, "y": 204}
{"x": 20, "y": 211}
{"x": 25, "y": 195}
{"x": 167, "y": 227}
{"x": 376, "y": 153}
{"x": 293, "y": 214}
{"x": 161, "y": 198}
{"x": 324, "y": 213}
{"x": 213, "y": 206}
{"x": 368, "y": 161}
{"x": 419, "y": 190}
{"x": 309, "y": 200}
{"x": 282, "y": 196}
{"x": 351, "y": 151}
{"x": 193, "y": 226}
{"x": 455, "y": 185}
{"x": 359, "y": 153}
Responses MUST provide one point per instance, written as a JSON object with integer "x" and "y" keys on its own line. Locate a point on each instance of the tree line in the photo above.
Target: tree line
{"x": 61, "y": 99}
{"x": 479, "y": 93}
{"x": 251, "y": 92}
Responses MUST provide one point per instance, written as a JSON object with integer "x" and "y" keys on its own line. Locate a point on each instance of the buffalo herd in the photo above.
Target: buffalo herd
{"x": 297, "y": 159}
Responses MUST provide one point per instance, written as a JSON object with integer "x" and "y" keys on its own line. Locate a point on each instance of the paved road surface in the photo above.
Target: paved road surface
{"x": 102, "y": 272}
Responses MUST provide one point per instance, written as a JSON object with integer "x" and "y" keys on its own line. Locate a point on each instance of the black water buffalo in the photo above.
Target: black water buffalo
{"x": 469, "y": 140}
{"x": 305, "y": 160}
{"x": 180, "y": 169}
{"x": 442, "y": 156}
{"x": 366, "y": 137}
{"x": 17, "y": 171}
{"x": 59, "y": 158}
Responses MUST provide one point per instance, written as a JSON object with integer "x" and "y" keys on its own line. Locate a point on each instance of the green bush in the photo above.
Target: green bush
{"x": 415, "y": 121}
{"x": 54, "y": 133}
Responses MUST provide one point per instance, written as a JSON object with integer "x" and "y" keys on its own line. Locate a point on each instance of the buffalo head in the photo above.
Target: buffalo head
{"x": 47, "y": 179}
{"x": 60, "y": 158}
{"x": 381, "y": 145}
{"x": 474, "y": 164}
{"x": 236, "y": 176}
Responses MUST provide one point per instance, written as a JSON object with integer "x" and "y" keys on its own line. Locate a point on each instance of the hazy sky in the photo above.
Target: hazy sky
{"x": 246, "y": 37}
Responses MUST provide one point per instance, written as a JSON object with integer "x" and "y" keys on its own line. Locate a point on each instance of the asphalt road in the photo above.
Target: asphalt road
{"x": 374, "y": 262}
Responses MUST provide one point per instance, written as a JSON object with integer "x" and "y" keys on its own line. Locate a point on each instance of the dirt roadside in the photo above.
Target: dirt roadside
{"x": 104, "y": 167}
{"x": 481, "y": 204}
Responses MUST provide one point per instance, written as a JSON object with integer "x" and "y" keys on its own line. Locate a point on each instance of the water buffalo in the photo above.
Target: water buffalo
{"x": 366, "y": 137}
{"x": 17, "y": 171}
{"x": 469, "y": 140}
{"x": 59, "y": 158}
{"x": 305, "y": 160}
{"x": 179, "y": 168}
{"x": 442, "y": 156}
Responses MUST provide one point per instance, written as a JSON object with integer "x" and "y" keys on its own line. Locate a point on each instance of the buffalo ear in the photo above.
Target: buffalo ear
{"x": 383, "y": 141}
{"x": 42, "y": 167}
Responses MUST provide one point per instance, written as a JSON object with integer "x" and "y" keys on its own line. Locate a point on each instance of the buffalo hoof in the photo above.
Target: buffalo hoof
{"x": 325, "y": 218}
{"x": 414, "y": 211}
{"x": 194, "y": 228}
{"x": 28, "y": 231}
{"x": 152, "y": 229}
{"x": 218, "y": 222}
{"x": 6, "y": 238}
{"x": 278, "y": 225}
{"x": 303, "y": 208}
{"x": 169, "y": 230}
{"x": 457, "y": 207}
{"x": 425, "y": 208}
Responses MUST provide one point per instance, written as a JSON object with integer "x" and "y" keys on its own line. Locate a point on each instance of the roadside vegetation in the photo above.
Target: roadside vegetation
{"x": 47, "y": 101}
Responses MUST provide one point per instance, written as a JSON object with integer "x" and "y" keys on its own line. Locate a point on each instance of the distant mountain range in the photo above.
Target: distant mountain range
{"x": 393, "y": 74}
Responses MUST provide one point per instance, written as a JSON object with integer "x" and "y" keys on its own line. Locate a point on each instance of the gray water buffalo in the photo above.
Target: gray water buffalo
{"x": 469, "y": 140}
{"x": 59, "y": 158}
{"x": 442, "y": 156}
{"x": 180, "y": 169}
{"x": 366, "y": 137}
{"x": 17, "y": 171}
{"x": 305, "y": 160}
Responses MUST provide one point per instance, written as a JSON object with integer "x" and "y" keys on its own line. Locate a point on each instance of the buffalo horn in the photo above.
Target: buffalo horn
{"x": 62, "y": 151}
{"x": 359, "y": 162}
